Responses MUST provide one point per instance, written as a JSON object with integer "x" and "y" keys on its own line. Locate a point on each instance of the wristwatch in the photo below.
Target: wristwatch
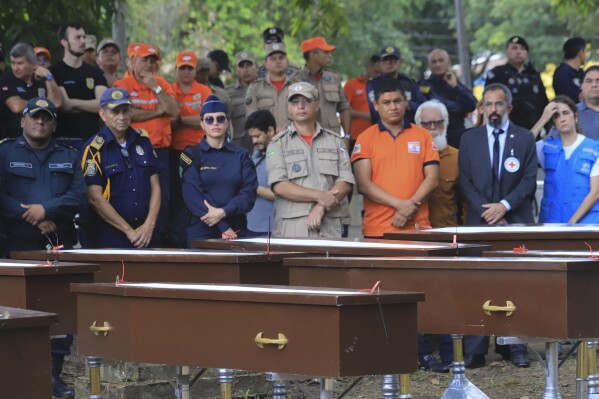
{"x": 49, "y": 77}
{"x": 158, "y": 90}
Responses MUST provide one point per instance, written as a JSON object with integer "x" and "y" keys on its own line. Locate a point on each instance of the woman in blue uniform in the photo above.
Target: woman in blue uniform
{"x": 571, "y": 169}
{"x": 218, "y": 180}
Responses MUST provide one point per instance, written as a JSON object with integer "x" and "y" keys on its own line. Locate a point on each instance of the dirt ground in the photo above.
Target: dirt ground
{"x": 499, "y": 380}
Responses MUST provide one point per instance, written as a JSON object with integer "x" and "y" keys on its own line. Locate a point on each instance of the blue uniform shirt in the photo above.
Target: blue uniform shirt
{"x": 263, "y": 210}
{"x": 567, "y": 81}
{"x": 50, "y": 177}
{"x": 226, "y": 178}
{"x": 124, "y": 175}
{"x": 588, "y": 120}
{"x": 411, "y": 90}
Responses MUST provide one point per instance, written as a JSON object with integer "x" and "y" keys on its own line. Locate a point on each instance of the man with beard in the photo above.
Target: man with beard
{"x": 81, "y": 85}
{"x": 396, "y": 167}
{"x": 498, "y": 169}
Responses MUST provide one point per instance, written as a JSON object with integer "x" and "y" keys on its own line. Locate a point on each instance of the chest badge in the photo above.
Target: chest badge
{"x": 89, "y": 82}
{"x": 512, "y": 164}
{"x": 414, "y": 147}
{"x": 139, "y": 150}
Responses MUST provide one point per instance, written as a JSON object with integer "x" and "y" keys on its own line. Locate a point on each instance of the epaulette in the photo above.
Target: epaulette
{"x": 8, "y": 139}
{"x": 63, "y": 144}
{"x": 97, "y": 143}
{"x": 334, "y": 133}
{"x": 142, "y": 132}
{"x": 279, "y": 135}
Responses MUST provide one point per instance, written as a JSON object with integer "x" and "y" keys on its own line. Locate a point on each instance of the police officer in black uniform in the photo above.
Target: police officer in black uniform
{"x": 528, "y": 91}
{"x": 275, "y": 35}
{"x": 41, "y": 189}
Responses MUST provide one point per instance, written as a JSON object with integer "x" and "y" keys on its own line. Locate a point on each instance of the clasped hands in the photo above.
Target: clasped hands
{"x": 36, "y": 216}
{"x": 404, "y": 211}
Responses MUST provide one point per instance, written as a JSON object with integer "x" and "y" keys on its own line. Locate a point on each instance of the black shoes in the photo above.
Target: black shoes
{"x": 520, "y": 359}
{"x": 474, "y": 361}
{"x": 60, "y": 389}
{"x": 429, "y": 363}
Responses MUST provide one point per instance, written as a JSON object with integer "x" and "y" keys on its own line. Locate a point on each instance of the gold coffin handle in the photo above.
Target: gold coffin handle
{"x": 281, "y": 341}
{"x": 509, "y": 308}
{"x": 97, "y": 330}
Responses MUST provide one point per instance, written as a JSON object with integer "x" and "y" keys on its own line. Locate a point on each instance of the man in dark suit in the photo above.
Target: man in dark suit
{"x": 498, "y": 169}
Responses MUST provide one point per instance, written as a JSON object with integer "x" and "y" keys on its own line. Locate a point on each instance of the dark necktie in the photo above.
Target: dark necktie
{"x": 496, "y": 134}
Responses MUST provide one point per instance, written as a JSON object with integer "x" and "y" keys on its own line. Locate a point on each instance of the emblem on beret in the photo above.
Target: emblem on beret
{"x": 117, "y": 95}
{"x": 41, "y": 103}
{"x": 296, "y": 87}
{"x": 515, "y": 39}
{"x": 272, "y": 30}
{"x": 275, "y": 46}
{"x": 296, "y": 167}
{"x": 389, "y": 50}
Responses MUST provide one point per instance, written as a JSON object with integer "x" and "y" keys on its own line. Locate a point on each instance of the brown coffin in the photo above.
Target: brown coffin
{"x": 25, "y": 353}
{"x": 36, "y": 286}
{"x": 554, "y": 298}
{"x": 176, "y": 265}
{"x": 346, "y": 247}
{"x": 539, "y": 236}
{"x": 329, "y": 335}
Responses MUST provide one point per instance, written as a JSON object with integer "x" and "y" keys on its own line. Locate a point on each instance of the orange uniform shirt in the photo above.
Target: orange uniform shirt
{"x": 398, "y": 168}
{"x": 190, "y": 104}
{"x": 355, "y": 90}
{"x": 143, "y": 97}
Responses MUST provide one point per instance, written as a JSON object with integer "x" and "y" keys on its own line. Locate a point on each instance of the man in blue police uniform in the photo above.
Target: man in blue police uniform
{"x": 568, "y": 76}
{"x": 121, "y": 172}
{"x": 390, "y": 63}
{"x": 443, "y": 85}
{"x": 41, "y": 189}
{"x": 524, "y": 82}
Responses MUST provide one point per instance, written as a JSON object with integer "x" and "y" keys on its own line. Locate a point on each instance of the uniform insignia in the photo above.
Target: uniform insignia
{"x": 41, "y": 92}
{"x": 359, "y": 92}
{"x": 248, "y": 100}
{"x": 139, "y": 150}
{"x": 357, "y": 148}
{"x": 184, "y": 158}
{"x": 296, "y": 167}
{"x": 117, "y": 95}
{"x": 585, "y": 167}
{"x": 434, "y": 146}
{"x": 21, "y": 165}
{"x": 187, "y": 58}
{"x": 275, "y": 46}
{"x": 97, "y": 143}
{"x": 197, "y": 96}
{"x": 41, "y": 103}
{"x": 143, "y": 132}
{"x": 389, "y": 50}
{"x": 535, "y": 88}
{"x": 91, "y": 169}
{"x": 66, "y": 165}
{"x": 89, "y": 82}
{"x": 155, "y": 155}
{"x": 409, "y": 95}
{"x": 511, "y": 164}
{"x": 327, "y": 78}
{"x": 270, "y": 153}
{"x": 425, "y": 89}
{"x": 414, "y": 147}
{"x": 371, "y": 96}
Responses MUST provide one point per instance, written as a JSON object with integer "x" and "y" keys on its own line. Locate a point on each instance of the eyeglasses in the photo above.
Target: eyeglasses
{"x": 219, "y": 119}
{"x": 125, "y": 155}
{"x": 429, "y": 124}
{"x": 498, "y": 104}
{"x": 301, "y": 101}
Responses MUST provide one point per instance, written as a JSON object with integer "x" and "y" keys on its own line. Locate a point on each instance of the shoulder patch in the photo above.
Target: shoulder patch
{"x": 425, "y": 89}
{"x": 185, "y": 159}
{"x": 97, "y": 142}
{"x": 6, "y": 140}
{"x": 142, "y": 132}
{"x": 279, "y": 135}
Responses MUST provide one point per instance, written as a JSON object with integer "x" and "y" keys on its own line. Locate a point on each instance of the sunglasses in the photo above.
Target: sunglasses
{"x": 125, "y": 155}
{"x": 429, "y": 124}
{"x": 219, "y": 119}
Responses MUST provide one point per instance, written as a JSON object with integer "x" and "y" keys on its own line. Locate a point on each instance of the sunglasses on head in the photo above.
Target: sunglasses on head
{"x": 219, "y": 119}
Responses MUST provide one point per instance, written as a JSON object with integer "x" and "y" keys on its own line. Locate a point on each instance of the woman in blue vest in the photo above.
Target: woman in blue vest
{"x": 571, "y": 169}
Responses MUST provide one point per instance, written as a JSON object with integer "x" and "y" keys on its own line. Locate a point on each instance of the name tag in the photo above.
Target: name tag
{"x": 414, "y": 147}
{"x": 60, "y": 166}
{"x": 21, "y": 165}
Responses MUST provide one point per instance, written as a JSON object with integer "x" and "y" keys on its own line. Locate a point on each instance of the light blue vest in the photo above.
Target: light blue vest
{"x": 567, "y": 182}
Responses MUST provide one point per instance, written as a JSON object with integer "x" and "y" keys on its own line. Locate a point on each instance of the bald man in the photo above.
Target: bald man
{"x": 443, "y": 85}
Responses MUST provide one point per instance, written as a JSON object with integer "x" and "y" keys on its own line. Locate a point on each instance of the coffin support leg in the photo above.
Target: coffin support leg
{"x": 94, "y": 363}
{"x": 225, "y": 378}
{"x": 459, "y": 386}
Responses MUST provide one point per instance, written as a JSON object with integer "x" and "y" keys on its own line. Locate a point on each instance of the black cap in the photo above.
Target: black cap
{"x": 390, "y": 51}
{"x": 572, "y": 46}
{"x": 273, "y": 32}
{"x": 221, "y": 58}
{"x": 518, "y": 40}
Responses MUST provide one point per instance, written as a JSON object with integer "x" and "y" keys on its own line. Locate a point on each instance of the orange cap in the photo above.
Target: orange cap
{"x": 131, "y": 48}
{"x": 317, "y": 42}
{"x": 42, "y": 50}
{"x": 186, "y": 57}
{"x": 146, "y": 50}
